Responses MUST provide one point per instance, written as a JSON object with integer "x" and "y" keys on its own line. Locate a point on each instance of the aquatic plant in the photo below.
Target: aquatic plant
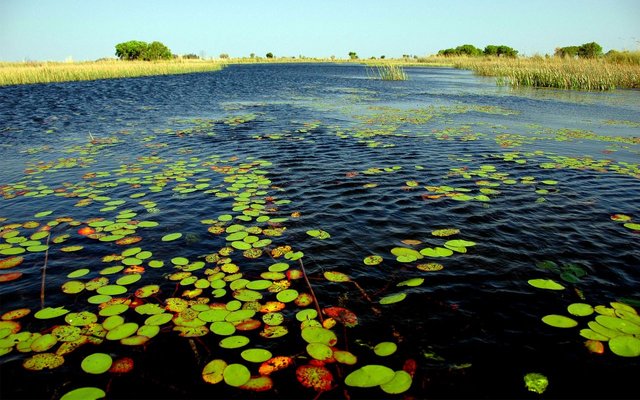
{"x": 387, "y": 72}
{"x": 44, "y": 72}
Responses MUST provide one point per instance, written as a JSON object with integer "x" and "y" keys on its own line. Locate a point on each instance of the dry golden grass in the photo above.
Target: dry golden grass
{"x": 43, "y": 72}
{"x": 563, "y": 73}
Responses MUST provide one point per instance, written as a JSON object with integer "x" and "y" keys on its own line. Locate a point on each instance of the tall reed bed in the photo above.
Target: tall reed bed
{"x": 387, "y": 72}
{"x": 44, "y": 72}
{"x": 563, "y": 73}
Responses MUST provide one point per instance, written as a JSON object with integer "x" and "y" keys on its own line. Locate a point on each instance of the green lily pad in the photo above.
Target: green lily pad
{"x": 234, "y": 342}
{"x": 559, "y": 321}
{"x": 122, "y": 331}
{"x": 256, "y": 355}
{"x": 335, "y": 276}
{"x": 400, "y": 383}
{"x": 625, "y": 346}
{"x": 159, "y": 319}
{"x": 549, "y": 284}
{"x": 370, "y": 376}
{"x": 96, "y": 363}
{"x": 319, "y": 351}
{"x": 580, "y": 309}
{"x": 287, "y": 295}
{"x": 384, "y": 349}
{"x": 42, "y": 361}
{"x": 412, "y": 282}
{"x": 394, "y": 298}
{"x": 319, "y": 234}
{"x": 436, "y": 252}
{"x": 372, "y": 260}
{"x": 50, "y": 312}
{"x": 171, "y": 237}
{"x": 316, "y": 334}
{"x": 536, "y": 382}
{"x": 406, "y": 255}
{"x": 236, "y": 375}
{"x": 84, "y": 393}
{"x": 44, "y": 343}
{"x": 213, "y": 371}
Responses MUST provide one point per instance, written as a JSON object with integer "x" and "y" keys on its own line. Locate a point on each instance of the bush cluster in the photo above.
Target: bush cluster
{"x": 139, "y": 50}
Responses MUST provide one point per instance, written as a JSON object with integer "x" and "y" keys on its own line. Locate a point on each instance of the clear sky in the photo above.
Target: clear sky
{"x": 89, "y": 29}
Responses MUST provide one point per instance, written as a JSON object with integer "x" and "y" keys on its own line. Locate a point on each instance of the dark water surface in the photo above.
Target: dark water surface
{"x": 527, "y": 175}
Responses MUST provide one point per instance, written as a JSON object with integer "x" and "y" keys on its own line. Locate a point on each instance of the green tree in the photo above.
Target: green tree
{"x": 131, "y": 50}
{"x": 590, "y": 50}
{"x": 464, "y": 50}
{"x": 269, "y": 55}
{"x": 157, "y": 51}
{"x": 568, "y": 51}
{"x": 502, "y": 50}
{"x": 353, "y": 55}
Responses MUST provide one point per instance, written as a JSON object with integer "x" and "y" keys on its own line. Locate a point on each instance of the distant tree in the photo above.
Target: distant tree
{"x": 157, "y": 51}
{"x": 131, "y": 50}
{"x": 568, "y": 51}
{"x": 464, "y": 50}
{"x": 353, "y": 55}
{"x": 590, "y": 50}
{"x": 224, "y": 56}
{"x": 382, "y": 56}
{"x": 505, "y": 51}
{"x": 190, "y": 56}
{"x": 252, "y": 55}
{"x": 269, "y": 55}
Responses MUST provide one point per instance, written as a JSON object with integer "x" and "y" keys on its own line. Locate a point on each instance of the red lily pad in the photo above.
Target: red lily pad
{"x": 342, "y": 315}
{"x": 315, "y": 377}
{"x": 275, "y": 364}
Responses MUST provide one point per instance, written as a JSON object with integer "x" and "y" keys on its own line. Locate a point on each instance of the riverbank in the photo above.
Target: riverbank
{"x": 46, "y": 72}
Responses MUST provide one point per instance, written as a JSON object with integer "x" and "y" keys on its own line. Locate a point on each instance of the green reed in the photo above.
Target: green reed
{"x": 387, "y": 72}
{"x": 44, "y": 72}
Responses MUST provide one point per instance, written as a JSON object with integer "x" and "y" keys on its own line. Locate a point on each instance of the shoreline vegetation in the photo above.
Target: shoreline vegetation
{"x": 604, "y": 73}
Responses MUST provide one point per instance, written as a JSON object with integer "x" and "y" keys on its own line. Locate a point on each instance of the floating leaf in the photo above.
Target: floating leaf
{"x": 549, "y": 284}
{"x": 42, "y": 361}
{"x": 51, "y": 312}
{"x": 171, "y": 237}
{"x": 11, "y": 262}
{"x": 234, "y": 342}
{"x": 536, "y": 382}
{"x": 445, "y": 232}
{"x": 370, "y": 376}
{"x": 345, "y": 357}
{"x": 96, "y": 363}
{"x": 559, "y": 321}
{"x": 400, "y": 383}
{"x": 236, "y": 375}
{"x": 625, "y": 346}
{"x": 11, "y": 276}
{"x": 405, "y": 255}
{"x": 315, "y": 334}
{"x": 373, "y": 260}
{"x": 580, "y": 309}
{"x": 394, "y": 298}
{"x": 436, "y": 252}
{"x": 256, "y": 355}
{"x": 319, "y": 351}
{"x": 430, "y": 267}
{"x": 412, "y": 282}
{"x": 384, "y": 349}
{"x": 633, "y": 226}
{"x": 315, "y": 377}
{"x": 122, "y": 365}
{"x": 275, "y": 364}
{"x": 318, "y": 234}
{"x": 335, "y": 276}
{"x": 287, "y": 295}
{"x": 258, "y": 384}
{"x": 342, "y": 315}
{"x": 15, "y": 314}
{"x": 213, "y": 371}
{"x": 84, "y": 393}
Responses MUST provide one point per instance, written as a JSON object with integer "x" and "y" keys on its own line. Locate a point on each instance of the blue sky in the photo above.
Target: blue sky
{"x": 87, "y": 30}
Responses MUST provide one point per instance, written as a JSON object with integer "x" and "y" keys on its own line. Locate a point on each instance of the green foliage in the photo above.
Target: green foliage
{"x": 131, "y": 50}
{"x": 623, "y": 57}
{"x": 502, "y": 50}
{"x": 353, "y": 55}
{"x": 139, "y": 50}
{"x": 269, "y": 55}
{"x": 157, "y": 51}
{"x": 586, "y": 50}
{"x": 225, "y": 56}
{"x": 464, "y": 50}
{"x": 590, "y": 50}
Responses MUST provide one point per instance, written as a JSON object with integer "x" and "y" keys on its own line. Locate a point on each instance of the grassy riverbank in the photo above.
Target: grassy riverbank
{"x": 44, "y": 72}
{"x": 604, "y": 73}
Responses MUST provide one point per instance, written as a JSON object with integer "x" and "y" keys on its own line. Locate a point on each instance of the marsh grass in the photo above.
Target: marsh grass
{"x": 564, "y": 73}
{"x": 387, "y": 72}
{"x": 44, "y": 72}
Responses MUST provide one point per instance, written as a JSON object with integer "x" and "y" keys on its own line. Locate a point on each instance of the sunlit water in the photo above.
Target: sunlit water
{"x": 473, "y": 328}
